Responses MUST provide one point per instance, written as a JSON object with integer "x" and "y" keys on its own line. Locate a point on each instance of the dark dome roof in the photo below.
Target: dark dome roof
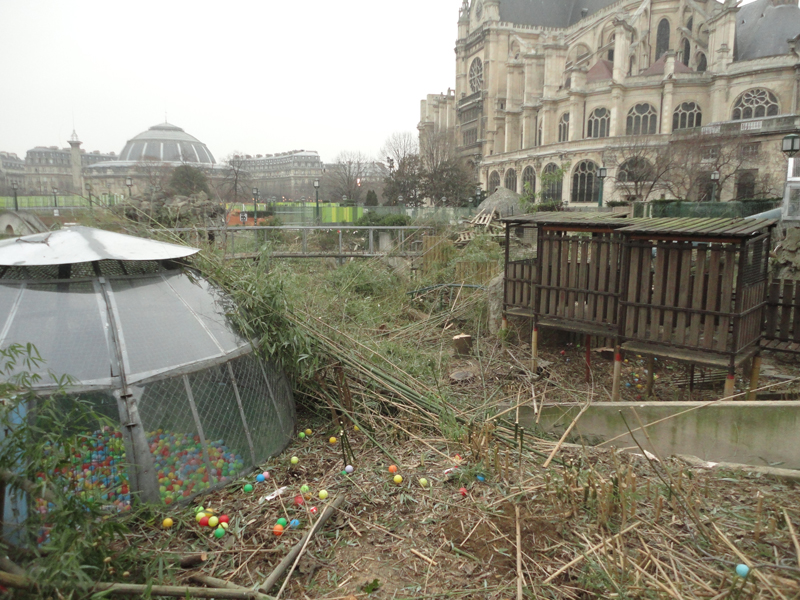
{"x": 762, "y": 29}
{"x": 549, "y": 13}
{"x": 166, "y": 143}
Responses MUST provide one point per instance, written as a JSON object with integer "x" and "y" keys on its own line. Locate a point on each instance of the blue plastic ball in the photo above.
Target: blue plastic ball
{"x": 480, "y": 478}
{"x": 742, "y": 570}
{"x": 260, "y": 478}
{"x": 294, "y": 523}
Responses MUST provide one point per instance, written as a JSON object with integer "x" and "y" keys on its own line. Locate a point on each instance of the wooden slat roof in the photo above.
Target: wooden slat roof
{"x": 684, "y": 227}
{"x": 736, "y": 228}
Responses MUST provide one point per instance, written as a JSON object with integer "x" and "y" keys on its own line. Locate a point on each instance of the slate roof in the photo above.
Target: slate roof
{"x": 549, "y": 13}
{"x": 601, "y": 71}
{"x": 657, "y": 68}
{"x": 762, "y": 29}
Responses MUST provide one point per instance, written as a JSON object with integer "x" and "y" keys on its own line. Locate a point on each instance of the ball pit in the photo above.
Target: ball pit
{"x": 98, "y": 466}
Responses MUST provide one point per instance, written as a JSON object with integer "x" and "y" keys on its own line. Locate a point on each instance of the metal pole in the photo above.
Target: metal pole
{"x": 16, "y": 204}
{"x": 318, "y": 218}
{"x": 600, "y": 197}
{"x": 55, "y": 200}
{"x": 713, "y": 191}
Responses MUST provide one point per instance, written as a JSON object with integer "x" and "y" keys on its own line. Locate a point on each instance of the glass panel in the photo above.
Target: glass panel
{"x": 211, "y": 305}
{"x": 187, "y": 150}
{"x": 202, "y": 154}
{"x": 153, "y": 151}
{"x": 136, "y": 151}
{"x": 74, "y": 346}
{"x": 158, "y": 331}
{"x": 171, "y": 152}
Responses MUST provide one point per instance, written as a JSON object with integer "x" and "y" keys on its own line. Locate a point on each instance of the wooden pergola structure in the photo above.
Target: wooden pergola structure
{"x": 691, "y": 290}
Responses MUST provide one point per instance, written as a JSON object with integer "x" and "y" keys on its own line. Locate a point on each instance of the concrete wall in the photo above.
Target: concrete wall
{"x": 754, "y": 433}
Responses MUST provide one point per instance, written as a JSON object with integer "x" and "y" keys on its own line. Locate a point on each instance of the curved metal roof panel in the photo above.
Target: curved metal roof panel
{"x": 85, "y": 244}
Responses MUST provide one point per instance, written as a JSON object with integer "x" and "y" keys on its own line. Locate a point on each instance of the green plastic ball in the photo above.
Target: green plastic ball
{"x": 305, "y": 489}
{"x": 301, "y": 435}
{"x": 282, "y": 522}
{"x": 219, "y": 532}
{"x": 248, "y": 488}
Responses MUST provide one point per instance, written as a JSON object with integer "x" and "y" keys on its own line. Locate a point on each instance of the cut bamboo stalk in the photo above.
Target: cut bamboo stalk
{"x": 223, "y": 585}
{"x": 793, "y": 534}
{"x": 519, "y": 555}
{"x": 298, "y": 548}
{"x": 564, "y": 437}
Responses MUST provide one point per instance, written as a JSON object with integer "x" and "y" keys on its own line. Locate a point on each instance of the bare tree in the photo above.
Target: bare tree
{"x": 402, "y": 184}
{"x": 235, "y": 186}
{"x": 644, "y": 165}
{"x": 346, "y": 174}
{"x": 153, "y": 174}
{"x": 446, "y": 179}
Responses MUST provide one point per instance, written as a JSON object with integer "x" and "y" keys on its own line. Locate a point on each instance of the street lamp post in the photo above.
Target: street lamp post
{"x": 55, "y": 202}
{"x": 316, "y": 191}
{"x": 714, "y": 180}
{"x": 14, "y": 187}
{"x": 602, "y": 173}
{"x": 129, "y": 183}
{"x": 791, "y": 145}
{"x": 255, "y": 206}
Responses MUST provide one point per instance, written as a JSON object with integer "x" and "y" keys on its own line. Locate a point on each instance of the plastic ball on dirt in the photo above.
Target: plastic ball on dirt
{"x": 294, "y": 523}
{"x": 332, "y": 440}
{"x": 398, "y": 479}
{"x": 393, "y": 469}
{"x": 260, "y": 478}
{"x": 313, "y": 510}
{"x": 219, "y": 532}
{"x": 308, "y": 432}
{"x": 463, "y": 491}
{"x": 266, "y": 475}
{"x": 224, "y": 519}
{"x": 304, "y": 489}
{"x": 742, "y": 570}
{"x": 248, "y": 488}
{"x": 282, "y": 522}
{"x": 199, "y": 516}
{"x": 298, "y": 500}
{"x": 213, "y": 522}
{"x": 204, "y": 522}
{"x": 294, "y": 460}
{"x": 323, "y": 494}
{"x": 480, "y": 477}
{"x": 349, "y": 469}
{"x": 278, "y": 529}
{"x": 423, "y": 482}
{"x": 167, "y": 523}
{"x": 302, "y": 435}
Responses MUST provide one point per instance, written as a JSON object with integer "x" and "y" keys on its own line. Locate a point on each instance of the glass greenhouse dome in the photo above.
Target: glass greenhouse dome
{"x": 148, "y": 341}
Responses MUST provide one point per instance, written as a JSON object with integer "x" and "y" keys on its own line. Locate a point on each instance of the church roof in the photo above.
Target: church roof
{"x": 657, "y": 68}
{"x": 549, "y": 13}
{"x": 762, "y": 29}
{"x": 601, "y": 71}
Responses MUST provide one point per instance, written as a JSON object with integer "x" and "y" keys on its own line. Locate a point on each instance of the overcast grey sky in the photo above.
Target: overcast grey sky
{"x": 255, "y": 76}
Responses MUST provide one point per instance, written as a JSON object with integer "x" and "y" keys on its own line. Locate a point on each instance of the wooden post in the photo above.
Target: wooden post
{"x": 755, "y": 373}
{"x": 691, "y": 380}
{"x": 588, "y": 343}
{"x": 651, "y": 363}
{"x": 617, "y": 374}
{"x": 534, "y": 346}
{"x": 729, "y": 384}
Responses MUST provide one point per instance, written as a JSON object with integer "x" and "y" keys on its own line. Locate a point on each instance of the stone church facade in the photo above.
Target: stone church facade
{"x": 561, "y": 88}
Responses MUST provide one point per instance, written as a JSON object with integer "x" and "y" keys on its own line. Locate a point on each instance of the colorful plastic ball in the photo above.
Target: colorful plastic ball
{"x": 423, "y": 482}
{"x": 219, "y": 532}
{"x": 260, "y": 478}
{"x": 742, "y": 570}
{"x": 349, "y": 469}
{"x": 167, "y": 523}
{"x": 199, "y": 516}
{"x": 294, "y": 460}
{"x": 304, "y": 489}
{"x": 308, "y": 432}
{"x": 224, "y": 525}
{"x": 332, "y": 440}
{"x": 323, "y": 494}
{"x": 302, "y": 435}
{"x": 209, "y": 511}
{"x": 398, "y": 479}
{"x": 266, "y": 475}
{"x": 282, "y": 522}
{"x": 278, "y": 529}
{"x": 199, "y": 509}
{"x": 298, "y": 500}
{"x": 213, "y": 521}
{"x": 313, "y": 510}
{"x": 463, "y": 491}
{"x": 248, "y": 488}
{"x": 204, "y": 522}
{"x": 480, "y": 477}
{"x": 356, "y": 428}
{"x": 393, "y": 469}
{"x": 224, "y": 519}
{"x": 294, "y": 523}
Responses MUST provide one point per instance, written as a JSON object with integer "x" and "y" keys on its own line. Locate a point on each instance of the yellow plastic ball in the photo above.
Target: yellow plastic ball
{"x": 398, "y": 479}
{"x": 209, "y": 512}
{"x": 308, "y": 432}
{"x": 332, "y": 440}
{"x": 167, "y": 523}
{"x": 323, "y": 495}
{"x": 355, "y": 428}
{"x": 224, "y": 525}
{"x": 199, "y": 516}
{"x": 213, "y": 522}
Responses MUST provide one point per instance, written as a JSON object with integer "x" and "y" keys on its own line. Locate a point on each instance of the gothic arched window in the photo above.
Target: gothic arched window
{"x": 702, "y": 64}
{"x": 687, "y": 52}
{"x": 494, "y": 182}
{"x": 686, "y": 116}
{"x": 636, "y": 169}
{"x": 529, "y": 180}
{"x": 476, "y": 76}
{"x": 584, "y": 182}
{"x": 662, "y": 38}
{"x": 563, "y": 128}
{"x": 551, "y": 184}
{"x": 642, "y": 120}
{"x": 511, "y": 180}
{"x": 755, "y": 103}
{"x": 599, "y": 122}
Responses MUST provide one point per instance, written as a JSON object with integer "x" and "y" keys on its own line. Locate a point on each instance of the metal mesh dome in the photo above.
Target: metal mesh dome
{"x": 166, "y": 143}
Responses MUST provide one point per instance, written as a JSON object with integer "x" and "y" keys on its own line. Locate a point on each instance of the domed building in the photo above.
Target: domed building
{"x": 147, "y": 159}
{"x": 549, "y": 92}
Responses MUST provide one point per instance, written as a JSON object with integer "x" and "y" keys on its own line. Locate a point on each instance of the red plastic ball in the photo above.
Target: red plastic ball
{"x": 463, "y": 491}
{"x": 224, "y": 519}
{"x": 298, "y": 501}
{"x": 204, "y": 522}
{"x": 278, "y": 530}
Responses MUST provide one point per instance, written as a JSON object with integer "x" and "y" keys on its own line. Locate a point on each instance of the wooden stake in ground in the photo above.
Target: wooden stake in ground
{"x": 519, "y": 555}
{"x": 463, "y": 344}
